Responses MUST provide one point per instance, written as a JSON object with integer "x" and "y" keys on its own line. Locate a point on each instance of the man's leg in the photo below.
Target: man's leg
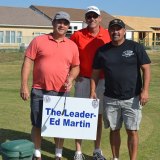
{"x": 78, "y": 143}
{"x": 132, "y": 116}
{"x": 36, "y": 138}
{"x": 78, "y": 154}
{"x": 113, "y": 119}
{"x": 97, "y": 153}
{"x": 115, "y": 142}
{"x": 100, "y": 91}
{"x": 59, "y": 147}
{"x": 133, "y": 144}
{"x": 36, "y": 119}
{"x": 97, "y": 142}
{"x": 82, "y": 90}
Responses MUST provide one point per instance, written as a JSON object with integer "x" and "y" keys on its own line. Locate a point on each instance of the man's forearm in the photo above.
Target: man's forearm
{"x": 94, "y": 82}
{"x": 146, "y": 76}
{"x": 74, "y": 73}
{"x": 25, "y": 71}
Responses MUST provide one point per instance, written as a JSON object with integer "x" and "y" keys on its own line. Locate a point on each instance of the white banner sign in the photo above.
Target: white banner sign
{"x": 69, "y": 117}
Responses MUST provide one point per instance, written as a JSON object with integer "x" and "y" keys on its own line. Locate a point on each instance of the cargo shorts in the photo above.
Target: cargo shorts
{"x": 117, "y": 112}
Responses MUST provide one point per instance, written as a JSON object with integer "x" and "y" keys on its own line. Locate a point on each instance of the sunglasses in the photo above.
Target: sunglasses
{"x": 89, "y": 16}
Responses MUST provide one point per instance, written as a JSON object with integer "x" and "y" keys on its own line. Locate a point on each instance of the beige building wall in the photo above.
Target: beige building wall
{"x": 135, "y": 36}
{"x": 147, "y": 41}
{"x": 27, "y": 35}
{"x": 150, "y": 38}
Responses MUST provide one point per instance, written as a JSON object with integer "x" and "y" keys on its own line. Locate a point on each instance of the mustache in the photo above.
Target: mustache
{"x": 115, "y": 34}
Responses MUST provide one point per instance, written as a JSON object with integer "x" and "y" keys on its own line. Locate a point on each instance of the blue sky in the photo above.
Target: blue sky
{"x": 141, "y": 8}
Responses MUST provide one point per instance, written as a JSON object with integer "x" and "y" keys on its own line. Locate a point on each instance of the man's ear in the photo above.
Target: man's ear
{"x": 124, "y": 32}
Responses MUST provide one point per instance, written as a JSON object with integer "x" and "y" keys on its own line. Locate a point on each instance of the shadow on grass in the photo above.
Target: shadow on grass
{"x": 9, "y": 135}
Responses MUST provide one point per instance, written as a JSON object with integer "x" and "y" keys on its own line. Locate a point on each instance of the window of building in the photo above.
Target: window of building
{"x": 71, "y": 30}
{"x": 19, "y": 37}
{"x": 142, "y": 35}
{"x": 13, "y": 37}
{"x": 75, "y": 27}
{"x": 7, "y": 37}
{"x": 10, "y": 37}
{"x": 158, "y": 36}
{"x": 1, "y": 36}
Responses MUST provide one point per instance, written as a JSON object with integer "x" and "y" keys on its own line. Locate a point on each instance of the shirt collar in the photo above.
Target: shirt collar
{"x": 50, "y": 37}
{"x": 100, "y": 34}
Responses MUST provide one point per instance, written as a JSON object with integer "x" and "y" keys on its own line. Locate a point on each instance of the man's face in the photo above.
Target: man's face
{"x": 117, "y": 33}
{"x": 60, "y": 26}
{"x": 92, "y": 19}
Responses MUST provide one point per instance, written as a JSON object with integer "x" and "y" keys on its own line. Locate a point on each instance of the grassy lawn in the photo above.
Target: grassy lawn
{"x": 15, "y": 118}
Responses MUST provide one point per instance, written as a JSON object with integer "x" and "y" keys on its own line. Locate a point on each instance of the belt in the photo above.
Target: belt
{"x": 85, "y": 77}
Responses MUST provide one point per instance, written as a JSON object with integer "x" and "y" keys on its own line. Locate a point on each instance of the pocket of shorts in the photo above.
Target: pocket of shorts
{"x": 110, "y": 101}
{"x": 36, "y": 93}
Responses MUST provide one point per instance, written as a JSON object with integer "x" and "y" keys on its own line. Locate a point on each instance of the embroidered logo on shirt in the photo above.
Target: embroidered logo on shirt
{"x": 128, "y": 53}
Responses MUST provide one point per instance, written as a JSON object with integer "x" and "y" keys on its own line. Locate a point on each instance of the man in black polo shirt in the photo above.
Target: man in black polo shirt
{"x": 125, "y": 92}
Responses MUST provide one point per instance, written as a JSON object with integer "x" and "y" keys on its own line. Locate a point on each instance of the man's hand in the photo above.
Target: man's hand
{"x": 144, "y": 97}
{"x": 24, "y": 93}
{"x": 93, "y": 95}
{"x": 68, "y": 84}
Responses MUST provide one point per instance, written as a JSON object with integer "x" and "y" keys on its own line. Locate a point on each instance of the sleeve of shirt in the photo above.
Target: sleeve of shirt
{"x": 142, "y": 55}
{"x": 31, "y": 51}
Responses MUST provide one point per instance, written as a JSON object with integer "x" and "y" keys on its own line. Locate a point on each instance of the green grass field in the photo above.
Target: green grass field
{"x": 15, "y": 119}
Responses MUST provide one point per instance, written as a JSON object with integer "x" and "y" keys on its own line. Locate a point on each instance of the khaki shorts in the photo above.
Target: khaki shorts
{"x": 82, "y": 90}
{"x": 118, "y": 111}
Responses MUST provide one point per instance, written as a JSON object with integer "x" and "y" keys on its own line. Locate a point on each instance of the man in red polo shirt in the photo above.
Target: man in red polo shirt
{"x": 88, "y": 41}
{"x": 56, "y": 65}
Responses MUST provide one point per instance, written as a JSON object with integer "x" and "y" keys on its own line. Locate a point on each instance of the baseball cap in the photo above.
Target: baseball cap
{"x": 93, "y": 9}
{"x": 118, "y": 22}
{"x": 62, "y": 15}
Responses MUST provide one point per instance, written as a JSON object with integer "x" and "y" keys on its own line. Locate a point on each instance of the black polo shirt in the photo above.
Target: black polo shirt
{"x": 121, "y": 66}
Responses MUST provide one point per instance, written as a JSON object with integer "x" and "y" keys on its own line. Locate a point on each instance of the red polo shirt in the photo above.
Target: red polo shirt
{"x": 52, "y": 61}
{"x": 87, "y": 45}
